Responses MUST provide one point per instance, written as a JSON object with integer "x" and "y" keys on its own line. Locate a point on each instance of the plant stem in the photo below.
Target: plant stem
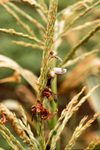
{"x": 54, "y": 107}
{"x": 46, "y": 65}
{"x": 54, "y": 89}
{"x": 48, "y": 44}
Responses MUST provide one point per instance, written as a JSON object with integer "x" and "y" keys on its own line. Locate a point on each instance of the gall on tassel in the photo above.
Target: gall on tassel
{"x": 56, "y": 70}
{"x": 47, "y": 92}
{"x": 36, "y": 108}
{"x": 53, "y": 72}
{"x": 43, "y": 112}
{"x": 46, "y": 114}
{"x": 59, "y": 70}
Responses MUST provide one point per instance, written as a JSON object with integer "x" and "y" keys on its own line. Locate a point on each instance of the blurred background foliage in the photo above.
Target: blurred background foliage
{"x": 31, "y": 59}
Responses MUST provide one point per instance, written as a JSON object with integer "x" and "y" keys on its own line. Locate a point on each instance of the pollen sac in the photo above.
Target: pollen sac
{"x": 59, "y": 70}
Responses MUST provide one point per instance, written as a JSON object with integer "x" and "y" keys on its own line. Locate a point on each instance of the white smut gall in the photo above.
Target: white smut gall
{"x": 59, "y": 70}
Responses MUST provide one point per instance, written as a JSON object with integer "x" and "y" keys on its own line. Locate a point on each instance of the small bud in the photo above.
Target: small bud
{"x": 59, "y": 70}
{"x": 54, "y": 55}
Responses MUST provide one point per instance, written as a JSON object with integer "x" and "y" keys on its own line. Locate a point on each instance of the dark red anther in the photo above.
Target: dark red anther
{"x": 43, "y": 112}
{"x": 49, "y": 116}
{"x": 49, "y": 94}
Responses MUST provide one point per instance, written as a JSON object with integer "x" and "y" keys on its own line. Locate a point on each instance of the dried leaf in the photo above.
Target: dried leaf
{"x": 27, "y": 75}
{"x": 25, "y": 95}
{"x": 79, "y": 73}
{"x": 14, "y": 78}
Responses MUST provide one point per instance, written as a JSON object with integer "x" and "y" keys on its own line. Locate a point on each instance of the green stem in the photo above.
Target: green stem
{"x": 40, "y": 131}
{"x": 54, "y": 105}
{"x": 48, "y": 45}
